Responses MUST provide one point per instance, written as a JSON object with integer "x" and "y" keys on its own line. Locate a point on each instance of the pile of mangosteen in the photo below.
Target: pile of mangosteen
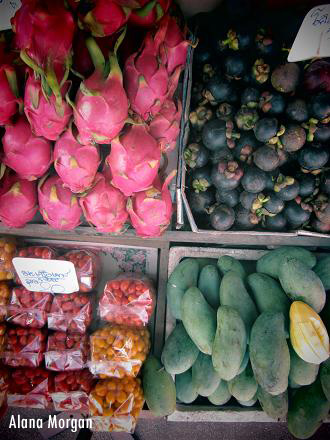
{"x": 259, "y": 142}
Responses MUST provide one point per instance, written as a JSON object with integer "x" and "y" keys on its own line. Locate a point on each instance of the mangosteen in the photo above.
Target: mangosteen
{"x": 218, "y": 134}
{"x": 286, "y": 187}
{"x": 293, "y": 138}
{"x": 220, "y": 90}
{"x": 322, "y": 133}
{"x": 235, "y": 66}
{"x": 245, "y": 220}
{"x": 208, "y": 72}
{"x": 273, "y": 204}
{"x": 320, "y": 107}
{"x": 266, "y": 129}
{"x": 226, "y": 175}
{"x": 247, "y": 199}
{"x": 222, "y": 217}
{"x": 297, "y": 110}
{"x": 246, "y": 118}
{"x": 266, "y": 158}
{"x": 254, "y": 179}
{"x": 322, "y": 208}
{"x": 265, "y": 45}
{"x": 222, "y": 154}
{"x": 196, "y": 94}
{"x": 201, "y": 202}
{"x": 275, "y": 223}
{"x": 236, "y": 40}
{"x": 295, "y": 214}
{"x": 307, "y": 184}
{"x": 196, "y": 155}
{"x": 325, "y": 186}
{"x": 260, "y": 71}
{"x": 271, "y": 179}
{"x": 245, "y": 146}
{"x": 225, "y": 111}
{"x": 321, "y": 227}
{"x": 199, "y": 117}
{"x": 313, "y": 158}
{"x": 229, "y": 198}
{"x": 285, "y": 78}
{"x": 202, "y": 53}
{"x": 250, "y": 97}
{"x": 201, "y": 178}
{"x": 272, "y": 103}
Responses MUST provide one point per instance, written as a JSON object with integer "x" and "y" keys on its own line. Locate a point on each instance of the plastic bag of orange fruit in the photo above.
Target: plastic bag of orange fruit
{"x": 7, "y": 253}
{"x": 4, "y": 299}
{"x": 115, "y": 404}
{"x": 118, "y": 351}
{"x": 128, "y": 299}
{"x": 2, "y": 337}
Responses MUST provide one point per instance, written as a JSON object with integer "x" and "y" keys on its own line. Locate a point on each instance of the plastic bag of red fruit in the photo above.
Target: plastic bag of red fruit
{"x": 72, "y": 390}
{"x": 128, "y": 299}
{"x": 66, "y": 351}
{"x": 28, "y": 309}
{"x": 44, "y": 252}
{"x": 88, "y": 268}
{"x": 24, "y": 347}
{"x": 30, "y": 387}
{"x": 70, "y": 312}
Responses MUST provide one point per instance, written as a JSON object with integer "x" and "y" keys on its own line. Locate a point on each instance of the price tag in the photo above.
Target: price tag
{"x": 54, "y": 276}
{"x": 313, "y": 38}
{"x": 7, "y": 11}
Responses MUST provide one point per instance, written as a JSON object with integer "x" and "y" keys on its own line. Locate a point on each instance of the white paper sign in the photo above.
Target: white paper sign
{"x": 7, "y": 11}
{"x": 313, "y": 38}
{"x": 54, "y": 276}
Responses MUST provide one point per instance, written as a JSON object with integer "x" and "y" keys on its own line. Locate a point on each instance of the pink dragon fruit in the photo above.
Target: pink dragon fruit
{"x": 174, "y": 47}
{"x": 18, "y": 201}
{"x": 58, "y": 206}
{"x": 76, "y": 164}
{"x": 48, "y": 116}
{"x": 30, "y": 156}
{"x": 134, "y": 160}
{"x": 149, "y": 12}
{"x": 43, "y": 32}
{"x": 9, "y": 100}
{"x": 165, "y": 126}
{"x": 150, "y": 211}
{"x": 105, "y": 206}
{"x": 146, "y": 79}
{"x": 101, "y": 106}
{"x": 107, "y": 17}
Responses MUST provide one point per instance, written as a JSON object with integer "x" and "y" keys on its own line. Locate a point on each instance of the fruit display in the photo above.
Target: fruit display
{"x": 66, "y": 351}
{"x": 115, "y": 404}
{"x": 3, "y": 329}
{"x": 4, "y": 383}
{"x": 118, "y": 351}
{"x": 4, "y": 299}
{"x": 30, "y": 388}
{"x": 7, "y": 253}
{"x": 71, "y": 312}
{"x": 71, "y": 390}
{"x": 88, "y": 268}
{"x": 28, "y": 309}
{"x": 256, "y": 155}
{"x": 129, "y": 299}
{"x": 89, "y": 97}
{"x": 253, "y": 331}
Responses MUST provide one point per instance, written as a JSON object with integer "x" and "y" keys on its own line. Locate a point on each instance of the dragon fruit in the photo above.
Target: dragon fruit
{"x": 105, "y": 206}
{"x": 165, "y": 126}
{"x": 47, "y": 115}
{"x": 150, "y": 211}
{"x": 18, "y": 201}
{"x": 76, "y": 164}
{"x": 30, "y": 156}
{"x": 58, "y": 206}
{"x": 106, "y": 17}
{"x": 146, "y": 79}
{"x": 101, "y": 106}
{"x": 43, "y": 32}
{"x": 174, "y": 47}
{"x": 149, "y": 12}
{"x": 9, "y": 100}
{"x": 134, "y": 160}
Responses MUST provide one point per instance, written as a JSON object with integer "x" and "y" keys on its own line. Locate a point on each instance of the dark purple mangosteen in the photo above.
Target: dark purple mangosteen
{"x": 285, "y": 78}
{"x": 226, "y": 175}
{"x": 222, "y": 217}
{"x": 246, "y": 118}
{"x": 229, "y": 198}
{"x": 266, "y": 158}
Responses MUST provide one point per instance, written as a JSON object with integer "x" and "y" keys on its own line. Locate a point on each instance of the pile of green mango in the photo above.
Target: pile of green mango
{"x": 231, "y": 338}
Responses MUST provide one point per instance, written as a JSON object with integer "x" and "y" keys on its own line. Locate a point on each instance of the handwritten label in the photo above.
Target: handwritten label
{"x": 52, "y": 276}
{"x": 7, "y": 11}
{"x": 313, "y": 38}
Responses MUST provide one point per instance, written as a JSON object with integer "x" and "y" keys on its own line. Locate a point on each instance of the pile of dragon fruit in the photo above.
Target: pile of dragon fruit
{"x": 88, "y": 109}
